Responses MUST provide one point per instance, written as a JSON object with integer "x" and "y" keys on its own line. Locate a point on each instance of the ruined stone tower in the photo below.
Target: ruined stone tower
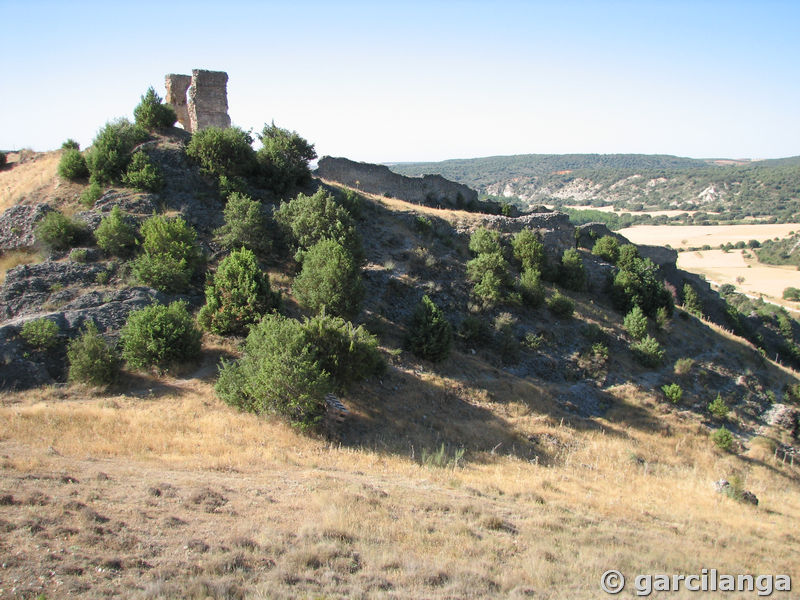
{"x": 205, "y": 104}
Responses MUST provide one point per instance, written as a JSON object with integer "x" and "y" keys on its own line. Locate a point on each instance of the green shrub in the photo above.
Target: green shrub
{"x": 648, "y": 351}
{"x": 528, "y": 250}
{"x": 310, "y": 219}
{"x": 115, "y": 234}
{"x": 70, "y": 144}
{"x": 635, "y": 323}
{"x": 3, "y": 159}
{"x": 346, "y": 352}
{"x": 505, "y": 340}
{"x": 278, "y": 373}
{"x": 637, "y": 284}
{"x": 231, "y": 185}
{"x": 483, "y": 241}
{"x": 91, "y": 194}
{"x": 152, "y": 114}
{"x": 718, "y": 407}
{"x": 683, "y": 366}
{"x": 475, "y": 330}
{"x": 238, "y": 295}
{"x": 673, "y": 392}
{"x": 245, "y": 225}
{"x": 40, "y": 334}
{"x": 607, "y": 248}
{"x": 110, "y": 153}
{"x": 599, "y": 351}
{"x": 791, "y": 293}
{"x": 561, "y": 306}
{"x": 691, "y": 301}
{"x": 227, "y": 152}
{"x": 72, "y": 165}
{"x": 91, "y": 359}
{"x": 170, "y": 254}
{"x": 283, "y": 158}
{"x": 142, "y": 174}
{"x": 79, "y": 255}
{"x": 58, "y": 232}
{"x": 160, "y": 336}
{"x": 572, "y": 274}
{"x": 330, "y": 279}
{"x": 430, "y": 334}
{"x": 531, "y": 287}
{"x": 723, "y": 439}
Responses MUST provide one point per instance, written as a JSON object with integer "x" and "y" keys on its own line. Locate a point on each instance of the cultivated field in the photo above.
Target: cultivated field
{"x": 726, "y": 267}
{"x": 652, "y": 213}
{"x": 691, "y": 236}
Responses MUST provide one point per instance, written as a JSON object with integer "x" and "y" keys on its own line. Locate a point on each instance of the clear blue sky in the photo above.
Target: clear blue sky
{"x": 428, "y": 80}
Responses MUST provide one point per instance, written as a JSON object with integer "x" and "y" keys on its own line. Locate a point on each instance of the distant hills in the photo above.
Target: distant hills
{"x": 710, "y": 190}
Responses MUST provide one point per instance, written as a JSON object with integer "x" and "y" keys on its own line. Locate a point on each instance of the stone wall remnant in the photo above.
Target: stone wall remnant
{"x": 177, "y": 86}
{"x": 200, "y": 100}
{"x": 429, "y": 190}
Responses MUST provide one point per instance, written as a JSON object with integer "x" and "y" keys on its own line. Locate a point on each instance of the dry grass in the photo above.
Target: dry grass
{"x": 652, "y": 213}
{"x": 692, "y": 236}
{"x": 9, "y": 260}
{"x": 22, "y": 179}
{"x": 283, "y": 515}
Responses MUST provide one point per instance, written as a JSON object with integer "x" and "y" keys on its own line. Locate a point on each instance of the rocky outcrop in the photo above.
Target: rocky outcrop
{"x": 554, "y": 228}
{"x": 201, "y": 100}
{"x": 428, "y": 190}
{"x": 18, "y": 226}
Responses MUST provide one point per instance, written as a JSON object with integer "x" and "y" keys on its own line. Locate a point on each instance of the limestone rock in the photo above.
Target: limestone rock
{"x": 18, "y": 226}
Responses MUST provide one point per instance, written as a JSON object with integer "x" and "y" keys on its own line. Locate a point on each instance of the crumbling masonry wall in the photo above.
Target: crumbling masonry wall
{"x": 200, "y": 100}
{"x": 429, "y": 190}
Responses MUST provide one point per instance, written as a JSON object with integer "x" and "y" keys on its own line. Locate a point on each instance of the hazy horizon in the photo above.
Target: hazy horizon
{"x": 425, "y": 82}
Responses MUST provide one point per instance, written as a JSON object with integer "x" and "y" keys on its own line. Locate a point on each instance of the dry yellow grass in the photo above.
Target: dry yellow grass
{"x": 349, "y": 521}
{"x": 32, "y": 176}
{"x": 692, "y": 236}
{"x": 9, "y": 260}
{"x": 652, "y": 213}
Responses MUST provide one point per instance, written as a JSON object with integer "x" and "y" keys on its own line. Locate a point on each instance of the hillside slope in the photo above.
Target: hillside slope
{"x": 722, "y": 191}
{"x": 538, "y": 455}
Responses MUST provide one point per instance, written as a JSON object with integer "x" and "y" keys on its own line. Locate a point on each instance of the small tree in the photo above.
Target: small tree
{"x": 561, "y": 306}
{"x": 483, "y": 241}
{"x": 142, "y": 174}
{"x": 160, "y": 336}
{"x": 528, "y": 250}
{"x": 70, "y": 144}
{"x": 110, "y": 153}
{"x": 719, "y": 408}
{"x": 245, "y": 225}
{"x": 278, "y": 373}
{"x": 91, "y": 359}
{"x": 310, "y": 219}
{"x": 40, "y": 334}
{"x": 723, "y": 439}
{"x": 607, "y": 248}
{"x": 430, "y": 334}
{"x": 91, "y": 195}
{"x": 152, "y": 114}
{"x": 58, "y": 232}
{"x": 648, "y": 352}
{"x": 72, "y": 165}
{"x": 673, "y": 392}
{"x": 691, "y": 301}
{"x": 219, "y": 151}
{"x": 330, "y": 279}
{"x": 116, "y": 235}
{"x": 531, "y": 288}
{"x": 238, "y": 296}
{"x": 284, "y": 158}
{"x": 635, "y": 323}
{"x": 572, "y": 274}
{"x": 170, "y": 254}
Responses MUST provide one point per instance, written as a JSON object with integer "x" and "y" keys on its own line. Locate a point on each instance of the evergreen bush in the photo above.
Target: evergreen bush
{"x": 170, "y": 254}
{"x": 330, "y": 279}
{"x": 56, "y": 231}
{"x": 91, "y": 359}
{"x": 142, "y": 174}
{"x": 40, "y": 334}
{"x": 528, "y": 250}
{"x": 283, "y": 158}
{"x": 430, "y": 334}
{"x": 223, "y": 152}
{"x": 152, "y": 114}
{"x": 648, "y": 351}
{"x": 72, "y": 165}
{"x": 245, "y": 225}
{"x": 115, "y": 234}
{"x": 635, "y": 323}
{"x": 160, "y": 336}
{"x": 110, "y": 153}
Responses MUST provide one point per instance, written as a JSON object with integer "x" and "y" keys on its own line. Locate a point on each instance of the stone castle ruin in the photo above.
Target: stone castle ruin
{"x": 429, "y": 190}
{"x": 200, "y": 100}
